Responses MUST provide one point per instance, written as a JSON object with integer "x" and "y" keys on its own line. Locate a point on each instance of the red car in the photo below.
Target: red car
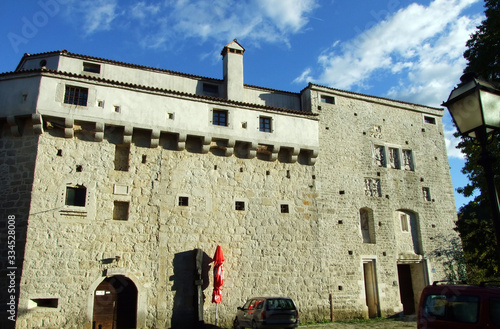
{"x": 459, "y": 306}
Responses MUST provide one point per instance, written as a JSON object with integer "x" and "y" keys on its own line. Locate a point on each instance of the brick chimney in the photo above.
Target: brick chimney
{"x": 232, "y": 57}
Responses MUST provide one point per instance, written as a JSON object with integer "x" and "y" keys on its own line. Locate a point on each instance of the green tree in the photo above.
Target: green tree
{"x": 474, "y": 219}
{"x": 483, "y": 48}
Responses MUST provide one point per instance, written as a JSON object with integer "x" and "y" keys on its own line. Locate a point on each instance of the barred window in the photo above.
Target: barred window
{"x": 76, "y": 95}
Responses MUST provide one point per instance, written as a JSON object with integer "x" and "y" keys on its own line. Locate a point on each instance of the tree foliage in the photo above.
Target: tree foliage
{"x": 474, "y": 219}
{"x": 483, "y": 48}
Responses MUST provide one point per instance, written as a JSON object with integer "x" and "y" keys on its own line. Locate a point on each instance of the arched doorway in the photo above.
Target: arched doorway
{"x": 115, "y": 304}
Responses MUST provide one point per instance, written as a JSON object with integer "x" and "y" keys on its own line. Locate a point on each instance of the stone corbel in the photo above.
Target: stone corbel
{"x": 181, "y": 142}
{"x": 252, "y": 152}
{"x": 36, "y": 119}
{"x": 274, "y": 152}
{"x": 155, "y": 138}
{"x": 295, "y": 154}
{"x": 230, "y": 147}
{"x": 99, "y": 132}
{"x": 205, "y": 140}
{"x": 127, "y": 134}
{"x": 15, "y": 126}
{"x": 68, "y": 128}
{"x": 314, "y": 155}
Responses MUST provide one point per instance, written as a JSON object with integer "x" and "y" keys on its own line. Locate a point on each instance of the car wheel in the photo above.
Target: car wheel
{"x": 254, "y": 325}
{"x": 236, "y": 324}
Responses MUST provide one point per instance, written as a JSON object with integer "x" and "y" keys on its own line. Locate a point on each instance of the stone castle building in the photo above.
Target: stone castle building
{"x": 121, "y": 180}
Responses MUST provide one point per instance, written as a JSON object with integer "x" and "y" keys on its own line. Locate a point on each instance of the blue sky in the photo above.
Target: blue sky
{"x": 404, "y": 50}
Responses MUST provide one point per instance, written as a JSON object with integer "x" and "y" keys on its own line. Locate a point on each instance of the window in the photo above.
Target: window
{"x": 91, "y": 67}
{"x": 239, "y": 205}
{"x": 379, "y": 155}
{"x": 430, "y": 120}
{"x": 495, "y": 311}
{"x": 76, "y": 195}
{"x": 453, "y": 308}
{"x": 210, "y": 89}
{"x": 367, "y": 225}
{"x": 120, "y": 210}
{"x": 327, "y": 99}
{"x": 219, "y": 118}
{"x": 408, "y": 160}
{"x": 122, "y": 154}
{"x": 76, "y": 95}
{"x": 394, "y": 158}
{"x": 265, "y": 124}
{"x": 43, "y": 303}
{"x": 183, "y": 201}
{"x": 284, "y": 209}
{"x": 404, "y": 222}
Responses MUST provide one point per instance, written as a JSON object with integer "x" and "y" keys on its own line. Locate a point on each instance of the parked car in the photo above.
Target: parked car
{"x": 459, "y": 306}
{"x": 267, "y": 312}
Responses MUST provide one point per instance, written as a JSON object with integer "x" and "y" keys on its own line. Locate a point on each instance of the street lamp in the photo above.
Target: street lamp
{"x": 475, "y": 108}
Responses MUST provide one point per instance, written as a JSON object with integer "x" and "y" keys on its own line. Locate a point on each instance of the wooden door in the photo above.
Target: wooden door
{"x": 105, "y": 302}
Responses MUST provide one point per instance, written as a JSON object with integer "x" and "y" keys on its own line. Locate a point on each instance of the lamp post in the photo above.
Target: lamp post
{"x": 475, "y": 108}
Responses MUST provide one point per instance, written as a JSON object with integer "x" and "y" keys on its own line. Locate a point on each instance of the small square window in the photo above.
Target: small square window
{"x": 76, "y": 196}
{"x": 117, "y": 109}
{"x": 265, "y": 124}
{"x": 100, "y": 103}
{"x": 239, "y": 205}
{"x": 120, "y": 210}
{"x": 76, "y": 95}
{"x": 219, "y": 118}
{"x": 284, "y": 209}
{"x": 183, "y": 201}
{"x": 327, "y": 99}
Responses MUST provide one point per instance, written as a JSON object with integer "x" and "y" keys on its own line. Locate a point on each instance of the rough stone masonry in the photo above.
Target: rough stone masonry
{"x": 117, "y": 173}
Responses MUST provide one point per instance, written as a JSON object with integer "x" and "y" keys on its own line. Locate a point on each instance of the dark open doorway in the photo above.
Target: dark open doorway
{"x": 115, "y": 304}
{"x": 406, "y": 289}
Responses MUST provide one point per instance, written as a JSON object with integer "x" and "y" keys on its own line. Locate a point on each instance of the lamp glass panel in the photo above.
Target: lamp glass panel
{"x": 491, "y": 108}
{"x": 467, "y": 113}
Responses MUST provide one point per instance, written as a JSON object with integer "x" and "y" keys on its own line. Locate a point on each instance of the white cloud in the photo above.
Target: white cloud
{"x": 97, "y": 15}
{"x": 165, "y": 24}
{"x": 287, "y": 14}
{"x": 420, "y": 46}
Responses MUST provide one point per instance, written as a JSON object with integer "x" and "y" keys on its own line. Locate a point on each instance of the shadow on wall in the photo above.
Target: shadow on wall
{"x": 17, "y": 167}
{"x": 190, "y": 279}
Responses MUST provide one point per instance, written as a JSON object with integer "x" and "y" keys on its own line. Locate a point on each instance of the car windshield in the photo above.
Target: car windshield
{"x": 452, "y": 308}
{"x": 280, "y": 304}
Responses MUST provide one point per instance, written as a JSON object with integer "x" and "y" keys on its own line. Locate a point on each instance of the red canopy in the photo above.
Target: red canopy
{"x": 218, "y": 275}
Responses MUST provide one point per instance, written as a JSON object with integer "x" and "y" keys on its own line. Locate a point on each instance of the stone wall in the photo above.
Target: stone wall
{"x": 146, "y": 209}
{"x": 267, "y": 252}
